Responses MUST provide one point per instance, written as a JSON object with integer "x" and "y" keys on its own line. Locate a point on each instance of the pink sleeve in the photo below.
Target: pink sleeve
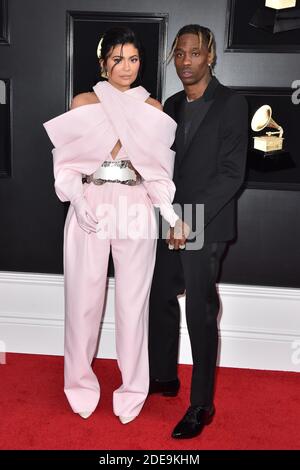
{"x": 82, "y": 139}
{"x": 161, "y": 193}
{"x": 68, "y": 184}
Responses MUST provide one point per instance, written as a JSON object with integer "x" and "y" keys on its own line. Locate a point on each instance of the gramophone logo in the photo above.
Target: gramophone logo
{"x": 268, "y": 153}
{"x": 272, "y": 140}
{"x": 277, "y": 16}
{"x": 280, "y": 4}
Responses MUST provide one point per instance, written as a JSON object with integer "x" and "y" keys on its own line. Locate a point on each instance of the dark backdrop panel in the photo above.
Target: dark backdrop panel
{"x": 288, "y": 113}
{"x": 267, "y": 251}
{"x": 5, "y": 129}
{"x": 87, "y": 31}
{"x": 244, "y": 35}
{"x": 32, "y": 217}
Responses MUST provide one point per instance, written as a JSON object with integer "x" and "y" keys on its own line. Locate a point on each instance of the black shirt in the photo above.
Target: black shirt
{"x": 190, "y": 109}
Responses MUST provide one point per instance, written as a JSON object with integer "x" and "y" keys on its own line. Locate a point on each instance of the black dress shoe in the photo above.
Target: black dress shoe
{"x": 193, "y": 422}
{"x": 167, "y": 389}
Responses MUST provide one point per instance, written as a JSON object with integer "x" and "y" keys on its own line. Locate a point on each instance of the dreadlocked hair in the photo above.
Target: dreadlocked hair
{"x": 205, "y": 36}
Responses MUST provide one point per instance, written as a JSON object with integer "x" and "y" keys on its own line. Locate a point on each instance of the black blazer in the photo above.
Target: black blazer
{"x": 210, "y": 168}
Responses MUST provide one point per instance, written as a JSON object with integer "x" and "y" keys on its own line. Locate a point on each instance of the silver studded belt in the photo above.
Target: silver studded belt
{"x": 120, "y": 171}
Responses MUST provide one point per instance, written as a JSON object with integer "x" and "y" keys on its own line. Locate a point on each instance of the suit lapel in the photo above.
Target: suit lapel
{"x": 198, "y": 120}
{"x": 179, "y": 136}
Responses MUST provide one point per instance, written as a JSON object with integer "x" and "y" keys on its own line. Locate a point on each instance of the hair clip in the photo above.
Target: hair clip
{"x": 99, "y": 51}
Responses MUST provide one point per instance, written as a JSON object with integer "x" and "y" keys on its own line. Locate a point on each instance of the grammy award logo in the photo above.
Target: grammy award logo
{"x": 268, "y": 153}
{"x": 277, "y": 16}
{"x": 271, "y": 141}
{"x": 280, "y": 4}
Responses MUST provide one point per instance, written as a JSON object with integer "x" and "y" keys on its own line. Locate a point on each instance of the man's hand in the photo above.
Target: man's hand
{"x": 177, "y": 236}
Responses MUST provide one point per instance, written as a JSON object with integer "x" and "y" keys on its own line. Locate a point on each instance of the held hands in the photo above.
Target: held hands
{"x": 177, "y": 236}
{"x": 85, "y": 216}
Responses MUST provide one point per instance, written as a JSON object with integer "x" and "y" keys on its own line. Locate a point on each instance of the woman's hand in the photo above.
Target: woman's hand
{"x": 86, "y": 218}
{"x": 177, "y": 236}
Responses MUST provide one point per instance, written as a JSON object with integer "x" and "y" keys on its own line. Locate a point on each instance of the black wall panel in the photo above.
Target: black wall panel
{"x": 267, "y": 251}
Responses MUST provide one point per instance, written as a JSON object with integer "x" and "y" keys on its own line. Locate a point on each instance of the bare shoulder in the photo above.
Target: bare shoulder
{"x": 84, "y": 98}
{"x": 154, "y": 103}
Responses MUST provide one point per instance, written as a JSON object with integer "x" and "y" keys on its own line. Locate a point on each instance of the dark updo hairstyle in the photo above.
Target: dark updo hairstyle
{"x": 116, "y": 36}
{"x": 205, "y": 35}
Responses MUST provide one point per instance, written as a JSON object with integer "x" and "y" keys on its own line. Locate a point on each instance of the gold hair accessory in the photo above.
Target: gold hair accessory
{"x": 99, "y": 48}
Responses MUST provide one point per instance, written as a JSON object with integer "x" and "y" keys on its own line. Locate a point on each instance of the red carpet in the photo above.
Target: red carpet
{"x": 255, "y": 410}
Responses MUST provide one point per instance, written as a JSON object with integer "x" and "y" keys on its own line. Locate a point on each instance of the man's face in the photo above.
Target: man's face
{"x": 191, "y": 62}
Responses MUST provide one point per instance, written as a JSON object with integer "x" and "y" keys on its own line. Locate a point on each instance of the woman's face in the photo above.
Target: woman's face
{"x": 122, "y": 66}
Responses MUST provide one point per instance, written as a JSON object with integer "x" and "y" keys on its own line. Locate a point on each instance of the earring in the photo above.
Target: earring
{"x": 103, "y": 73}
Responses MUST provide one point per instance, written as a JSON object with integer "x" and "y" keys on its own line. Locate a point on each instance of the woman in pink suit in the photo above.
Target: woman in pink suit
{"x": 119, "y": 140}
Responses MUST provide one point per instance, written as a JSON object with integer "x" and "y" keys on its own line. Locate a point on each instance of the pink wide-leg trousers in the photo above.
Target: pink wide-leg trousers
{"x": 85, "y": 269}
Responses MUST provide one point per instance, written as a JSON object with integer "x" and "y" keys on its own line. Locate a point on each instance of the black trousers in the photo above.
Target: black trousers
{"x": 195, "y": 271}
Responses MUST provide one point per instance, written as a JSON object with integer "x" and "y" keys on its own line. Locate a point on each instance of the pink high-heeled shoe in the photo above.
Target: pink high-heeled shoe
{"x": 85, "y": 414}
{"x": 126, "y": 419}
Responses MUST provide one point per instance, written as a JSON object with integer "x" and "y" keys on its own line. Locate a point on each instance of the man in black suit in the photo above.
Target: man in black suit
{"x": 211, "y": 147}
